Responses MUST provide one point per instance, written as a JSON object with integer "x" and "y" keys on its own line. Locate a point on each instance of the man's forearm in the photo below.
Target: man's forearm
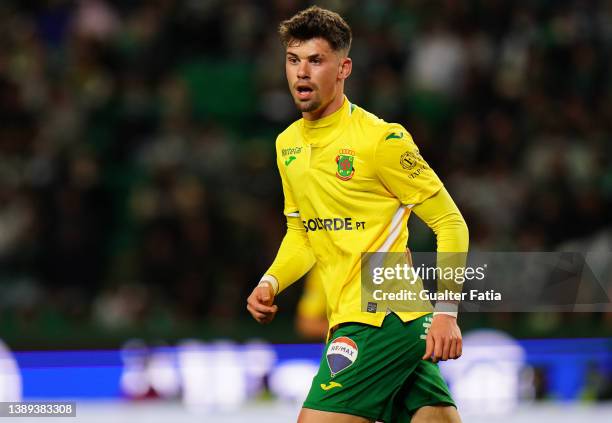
{"x": 442, "y": 215}
{"x": 294, "y": 257}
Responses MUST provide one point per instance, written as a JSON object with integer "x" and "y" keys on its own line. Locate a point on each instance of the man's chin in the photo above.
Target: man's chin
{"x": 307, "y": 106}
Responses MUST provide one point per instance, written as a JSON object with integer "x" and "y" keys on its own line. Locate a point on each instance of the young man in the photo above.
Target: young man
{"x": 350, "y": 181}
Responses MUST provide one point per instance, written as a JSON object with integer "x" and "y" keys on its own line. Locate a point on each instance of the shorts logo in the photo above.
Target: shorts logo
{"x": 341, "y": 354}
{"x": 345, "y": 160}
{"x": 331, "y": 385}
{"x": 426, "y": 326}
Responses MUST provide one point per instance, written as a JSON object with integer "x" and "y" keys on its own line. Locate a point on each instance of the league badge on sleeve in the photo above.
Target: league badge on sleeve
{"x": 341, "y": 354}
{"x": 408, "y": 160}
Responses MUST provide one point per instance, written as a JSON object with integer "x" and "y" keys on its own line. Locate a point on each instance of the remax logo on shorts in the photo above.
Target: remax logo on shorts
{"x": 341, "y": 354}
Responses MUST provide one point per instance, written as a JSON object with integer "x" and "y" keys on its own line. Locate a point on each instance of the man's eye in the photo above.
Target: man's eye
{"x": 316, "y": 61}
{"x": 292, "y": 60}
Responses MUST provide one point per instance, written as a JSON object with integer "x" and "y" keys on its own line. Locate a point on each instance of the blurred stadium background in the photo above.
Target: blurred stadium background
{"x": 139, "y": 200}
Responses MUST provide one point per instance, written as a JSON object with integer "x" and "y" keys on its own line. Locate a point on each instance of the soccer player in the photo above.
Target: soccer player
{"x": 350, "y": 181}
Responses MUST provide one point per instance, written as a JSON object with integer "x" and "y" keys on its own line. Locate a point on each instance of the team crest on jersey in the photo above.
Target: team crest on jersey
{"x": 345, "y": 160}
{"x": 341, "y": 354}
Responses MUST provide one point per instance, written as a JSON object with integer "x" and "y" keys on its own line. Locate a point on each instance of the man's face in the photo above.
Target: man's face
{"x": 314, "y": 72}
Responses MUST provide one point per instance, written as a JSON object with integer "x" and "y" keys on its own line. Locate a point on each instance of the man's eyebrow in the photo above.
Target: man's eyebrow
{"x": 310, "y": 57}
{"x": 315, "y": 56}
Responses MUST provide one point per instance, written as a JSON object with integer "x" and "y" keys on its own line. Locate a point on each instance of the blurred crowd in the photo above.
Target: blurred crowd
{"x": 137, "y": 172}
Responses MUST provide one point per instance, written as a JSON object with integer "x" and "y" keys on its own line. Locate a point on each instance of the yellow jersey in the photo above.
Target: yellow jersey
{"x": 351, "y": 178}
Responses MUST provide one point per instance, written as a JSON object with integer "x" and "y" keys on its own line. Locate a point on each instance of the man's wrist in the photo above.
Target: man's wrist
{"x": 271, "y": 280}
{"x": 446, "y": 308}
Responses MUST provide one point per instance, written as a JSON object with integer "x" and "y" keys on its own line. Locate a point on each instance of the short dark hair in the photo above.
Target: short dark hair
{"x": 316, "y": 22}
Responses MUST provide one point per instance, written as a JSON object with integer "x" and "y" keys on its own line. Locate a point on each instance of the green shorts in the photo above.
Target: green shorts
{"x": 378, "y": 373}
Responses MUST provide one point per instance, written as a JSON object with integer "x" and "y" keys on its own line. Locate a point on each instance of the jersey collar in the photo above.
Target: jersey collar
{"x": 322, "y": 131}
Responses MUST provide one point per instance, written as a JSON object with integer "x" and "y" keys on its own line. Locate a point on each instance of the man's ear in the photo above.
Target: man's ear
{"x": 346, "y": 66}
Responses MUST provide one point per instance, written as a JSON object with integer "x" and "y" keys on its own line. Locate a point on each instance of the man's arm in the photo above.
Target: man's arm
{"x": 441, "y": 214}
{"x": 294, "y": 257}
{"x": 406, "y": 174}
{"x": 293, "y": 260}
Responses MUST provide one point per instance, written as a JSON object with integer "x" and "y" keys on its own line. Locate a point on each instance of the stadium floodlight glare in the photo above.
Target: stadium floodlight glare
{"x": 134, "y": 379}
{"x": 487, "y": 378}
{"x": 213, "y": 376}
{"x": 163, "y": 374}
{"x": 291, "y": 379}
{"x": 10, "y": 378}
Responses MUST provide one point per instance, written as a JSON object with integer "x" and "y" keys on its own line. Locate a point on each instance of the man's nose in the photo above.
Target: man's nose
{"x": 303, "y": 70}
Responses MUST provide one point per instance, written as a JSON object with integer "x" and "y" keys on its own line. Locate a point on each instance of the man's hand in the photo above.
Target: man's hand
{"x": 443, "y": 339}
{"x": 261, "y": 303}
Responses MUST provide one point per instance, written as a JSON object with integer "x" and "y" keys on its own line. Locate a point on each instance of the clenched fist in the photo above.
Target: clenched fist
{"x": 443, "y": 339}
{"x": 261, "y": 303}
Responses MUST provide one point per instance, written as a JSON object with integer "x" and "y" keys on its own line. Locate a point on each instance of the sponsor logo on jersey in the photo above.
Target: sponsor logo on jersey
{"x": 289, "y": 160}
{"x": 341, "y": 354}
{"x": 345, "y": 160}
{"x": 291, "y": 151}
{"x": 333, "y": 224}
{"x": 331, "y": 385}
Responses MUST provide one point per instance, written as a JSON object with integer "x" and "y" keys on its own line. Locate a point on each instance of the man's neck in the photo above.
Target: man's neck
{"x": 331, "y": 107}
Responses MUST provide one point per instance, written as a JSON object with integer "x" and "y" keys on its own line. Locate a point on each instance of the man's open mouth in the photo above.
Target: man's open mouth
{"x": 303, "y": 91}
